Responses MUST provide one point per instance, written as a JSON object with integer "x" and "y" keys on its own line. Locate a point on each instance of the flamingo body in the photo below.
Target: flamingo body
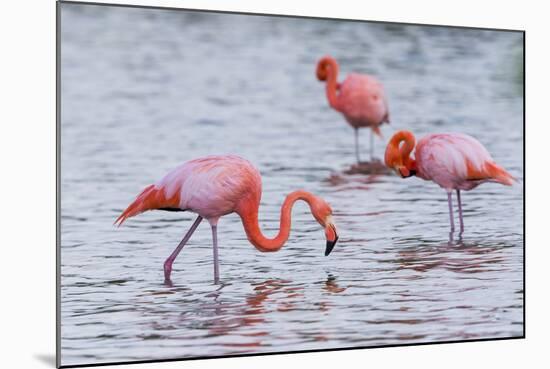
{"x": 215, "y": 186}
{"x": 362, "y": 102}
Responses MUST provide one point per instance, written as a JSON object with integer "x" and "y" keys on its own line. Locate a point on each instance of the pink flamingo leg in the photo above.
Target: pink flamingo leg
{"x": 215, "y": 243}
{"x": 371, "y": 145}
{"x": 450, "y": 200}
{"x": 168, "y": 263}
{"x": 357, "y": 145}
{"x": 460, "y": 211}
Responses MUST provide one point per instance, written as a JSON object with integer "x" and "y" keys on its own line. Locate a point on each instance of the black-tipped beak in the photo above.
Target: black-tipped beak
{"x": 330, "y": 246}
{"x": 411, "y": 173}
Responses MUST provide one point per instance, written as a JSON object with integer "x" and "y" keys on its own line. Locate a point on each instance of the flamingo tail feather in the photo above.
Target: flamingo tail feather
{"x": 492, "y": 172}
{"x": 500, "y": 175}
{"x": 146, "y": 200}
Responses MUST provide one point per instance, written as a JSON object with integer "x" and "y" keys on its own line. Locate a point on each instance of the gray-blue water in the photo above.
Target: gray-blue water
{"x": 144, "y": 90}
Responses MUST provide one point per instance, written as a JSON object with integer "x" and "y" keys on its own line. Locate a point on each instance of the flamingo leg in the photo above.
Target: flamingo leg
{"x": 168, "y": 263}
{"x": 450, "y": 200}
{"x": 371, "y": 145}
{"x": 357, "y": 145}
{"x": 215, "y": 244}
{"x": 460, "y": 211}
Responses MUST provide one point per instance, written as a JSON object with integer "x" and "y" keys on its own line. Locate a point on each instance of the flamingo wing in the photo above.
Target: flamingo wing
{"x": 457, "y": 161}
{"x": 210, "y": 186}
{"x": 216, "y": 184}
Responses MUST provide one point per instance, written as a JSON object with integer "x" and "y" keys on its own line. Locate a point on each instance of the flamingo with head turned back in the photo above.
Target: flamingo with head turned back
{"x": 215, "y": 186}
{"x": 360, "y": 98}
{"x": 454, "y": 161}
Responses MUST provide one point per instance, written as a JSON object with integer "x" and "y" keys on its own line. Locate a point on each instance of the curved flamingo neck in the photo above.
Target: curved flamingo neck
{"x": 249, "y": 216}
{"x": 405, "y": 150}
{"x": 331, "y": 67}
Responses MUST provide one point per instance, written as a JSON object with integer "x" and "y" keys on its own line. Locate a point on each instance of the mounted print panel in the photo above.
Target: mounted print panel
{"x": 236, "y": 184}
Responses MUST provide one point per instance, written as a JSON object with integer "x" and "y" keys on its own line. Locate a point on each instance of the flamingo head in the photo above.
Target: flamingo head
{"x": 397, "y": 154}
{"x": 325, "y": 66}
{"x": 322, "y": 212}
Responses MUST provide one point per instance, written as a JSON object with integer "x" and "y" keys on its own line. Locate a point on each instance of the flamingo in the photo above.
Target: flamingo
{"x": 214, "y": 186}
{"x": 360, "y": 98}
{"x": 454, "y": 161}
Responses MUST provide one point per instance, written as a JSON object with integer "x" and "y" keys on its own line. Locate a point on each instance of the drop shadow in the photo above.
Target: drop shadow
{"x": 47, "y": 359}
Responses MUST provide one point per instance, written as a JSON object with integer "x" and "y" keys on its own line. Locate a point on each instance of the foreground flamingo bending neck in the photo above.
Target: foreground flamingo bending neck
{"x": 360, "y": 98}
{"x": 454, "y": 161}
{"x": 215, "y": 186}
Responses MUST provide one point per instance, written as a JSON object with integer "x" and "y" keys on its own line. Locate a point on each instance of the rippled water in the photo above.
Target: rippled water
{"x": 144, "y": 90}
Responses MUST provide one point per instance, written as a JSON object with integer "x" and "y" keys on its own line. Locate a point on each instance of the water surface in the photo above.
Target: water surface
{"x": 144, "y": 90}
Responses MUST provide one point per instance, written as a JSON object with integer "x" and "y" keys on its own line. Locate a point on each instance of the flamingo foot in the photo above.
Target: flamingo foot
{"x": 168, "y": 270}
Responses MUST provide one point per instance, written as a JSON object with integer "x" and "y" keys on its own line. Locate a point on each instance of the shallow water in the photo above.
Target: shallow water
{"x": 144, "y": 90}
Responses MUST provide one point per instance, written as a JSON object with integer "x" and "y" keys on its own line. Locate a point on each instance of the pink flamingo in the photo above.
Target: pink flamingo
{"x": 215, "y": 186}
{"x": 454, "y": 161}
{"x": 360, "y": 98}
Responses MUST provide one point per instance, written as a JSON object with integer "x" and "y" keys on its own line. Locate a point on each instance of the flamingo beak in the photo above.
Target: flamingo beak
{"x": 404, "y": 172}
{"x": 332, "y": 238}
{"x": 330, "y": 246}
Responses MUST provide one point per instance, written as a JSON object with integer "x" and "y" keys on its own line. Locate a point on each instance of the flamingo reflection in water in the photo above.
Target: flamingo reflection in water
{"x": 247, "y": 320}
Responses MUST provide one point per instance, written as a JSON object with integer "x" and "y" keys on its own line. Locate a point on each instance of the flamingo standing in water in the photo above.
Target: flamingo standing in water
{"x": 360, "y": 98}
{"x": 454, "y": 161}
{"x": 215, "y": 186}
